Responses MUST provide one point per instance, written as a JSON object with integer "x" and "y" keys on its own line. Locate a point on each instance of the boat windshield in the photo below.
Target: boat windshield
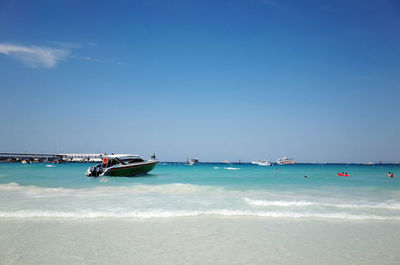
{"x": 131, "y": 160}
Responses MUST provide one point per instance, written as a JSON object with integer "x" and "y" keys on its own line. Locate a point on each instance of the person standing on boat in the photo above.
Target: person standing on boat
{"x": 153, "y": 156}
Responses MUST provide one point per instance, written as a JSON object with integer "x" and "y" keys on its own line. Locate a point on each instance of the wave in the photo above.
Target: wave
{"x": 138, "y": 187}
{"x": 387, "y": 206}
{"x": 172, "y": 214}
{"x": 277, "y": 203}
{"x": 185, "y": 200}
{"x": 174, "y": 188}
{"x": 16, "y": 187}
{"x": 275, "y": 199}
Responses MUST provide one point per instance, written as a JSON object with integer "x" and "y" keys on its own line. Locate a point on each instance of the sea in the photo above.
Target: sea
{"x": 208, "y": 213}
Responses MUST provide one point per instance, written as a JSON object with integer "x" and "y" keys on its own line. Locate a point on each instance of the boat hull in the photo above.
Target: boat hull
{"x": 130, "y": 170}
{"x": 286, "y": 163}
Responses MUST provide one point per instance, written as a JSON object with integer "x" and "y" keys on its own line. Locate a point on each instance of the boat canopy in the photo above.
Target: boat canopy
{"x": 122, "y": 156}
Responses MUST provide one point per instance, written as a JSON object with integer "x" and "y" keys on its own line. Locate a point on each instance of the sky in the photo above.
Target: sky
{"x": 314, "y": 80}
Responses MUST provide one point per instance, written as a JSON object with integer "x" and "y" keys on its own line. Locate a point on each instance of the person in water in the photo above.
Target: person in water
{"x": 392, "y": 175}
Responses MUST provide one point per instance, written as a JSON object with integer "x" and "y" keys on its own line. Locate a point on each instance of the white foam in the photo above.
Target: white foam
{"x": 12, "y": 186}
{"x": 277, "y": 203}
{"x": 174, "y": 188}
{"x": 231, "y": 168}
{"x": 172, "y": 214}
{"x": 181, "y": 200}
{"x": 393, "y": 206}
{"x": 50, "y": 166}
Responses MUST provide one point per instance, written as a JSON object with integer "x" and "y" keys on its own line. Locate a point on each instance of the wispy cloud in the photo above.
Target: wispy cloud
{"x": 85, "y": 58}
{"x": 34, "y": 56}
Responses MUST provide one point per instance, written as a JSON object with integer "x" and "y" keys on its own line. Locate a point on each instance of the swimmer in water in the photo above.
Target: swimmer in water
{"x": 389, "y": 174}
{"x": 392, "y": 175}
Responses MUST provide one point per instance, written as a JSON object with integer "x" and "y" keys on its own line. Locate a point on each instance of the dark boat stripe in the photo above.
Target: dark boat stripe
{"x": 116, "y": 168}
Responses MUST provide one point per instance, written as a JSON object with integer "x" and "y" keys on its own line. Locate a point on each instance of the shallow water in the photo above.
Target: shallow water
{"x": 177, "y": 190}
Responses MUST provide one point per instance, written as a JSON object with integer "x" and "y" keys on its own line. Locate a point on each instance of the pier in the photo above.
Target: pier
{"x": 51, "y": 158}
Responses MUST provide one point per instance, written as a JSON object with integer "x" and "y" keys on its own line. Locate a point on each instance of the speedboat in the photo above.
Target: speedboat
{"x": 262, "y": 162}
{"x": 285, "y": 161}
{"x": 120, "y": 165}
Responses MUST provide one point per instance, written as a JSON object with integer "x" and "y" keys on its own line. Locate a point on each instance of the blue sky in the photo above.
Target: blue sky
{"x": 218, "y": 80}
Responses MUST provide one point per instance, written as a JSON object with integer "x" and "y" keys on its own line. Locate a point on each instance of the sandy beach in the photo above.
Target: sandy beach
{"x": 197, "y": 240}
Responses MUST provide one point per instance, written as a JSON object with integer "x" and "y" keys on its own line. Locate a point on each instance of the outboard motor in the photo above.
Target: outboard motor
{"x": 94, "y": 171}
{"x": 91, "y": 171}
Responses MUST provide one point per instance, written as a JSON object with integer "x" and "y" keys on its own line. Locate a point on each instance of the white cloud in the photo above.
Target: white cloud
{"x": 34, "y": 56}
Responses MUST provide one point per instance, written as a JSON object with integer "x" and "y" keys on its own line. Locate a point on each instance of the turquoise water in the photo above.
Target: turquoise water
{"x": 174, "y": 189}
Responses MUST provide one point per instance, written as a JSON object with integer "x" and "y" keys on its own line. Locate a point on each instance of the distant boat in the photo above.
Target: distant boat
{"x": 227, "y": 162}
{"x": 262, "y": 162}
{"x": 192, "y": 161}
{"x": 121, "y": 166}
{"x": 26, "y": 161}
{"x": 285, "y": 161}
{"x": 369, "y": 163}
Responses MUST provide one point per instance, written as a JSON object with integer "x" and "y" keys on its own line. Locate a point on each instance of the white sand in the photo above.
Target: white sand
{"x": 197, "y": 240}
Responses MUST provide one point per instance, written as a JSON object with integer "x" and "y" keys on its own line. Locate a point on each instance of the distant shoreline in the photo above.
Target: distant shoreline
{"x": 98, "y": 158}
{"x": 223, "y": 163}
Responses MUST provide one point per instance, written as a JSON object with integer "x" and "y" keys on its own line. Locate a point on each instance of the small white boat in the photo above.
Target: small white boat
{"x": 262, "y": 162}
{"x": 285, "y": 161}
